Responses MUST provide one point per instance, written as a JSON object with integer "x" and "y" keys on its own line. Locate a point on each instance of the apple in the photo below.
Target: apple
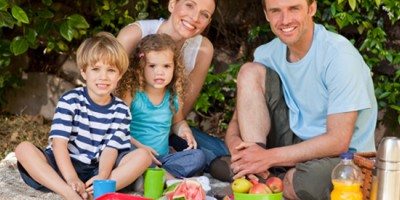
{"x": 241, "y": 185}
{"x": 275, "y": 184}
{"x": 260, "y": 188}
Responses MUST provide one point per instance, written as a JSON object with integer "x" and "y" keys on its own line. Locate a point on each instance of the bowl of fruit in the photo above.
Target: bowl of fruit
{"x": 244, "y": 189}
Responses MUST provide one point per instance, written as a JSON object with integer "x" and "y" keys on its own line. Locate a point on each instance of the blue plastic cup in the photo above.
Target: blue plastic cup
{"x": 102, "y": 187}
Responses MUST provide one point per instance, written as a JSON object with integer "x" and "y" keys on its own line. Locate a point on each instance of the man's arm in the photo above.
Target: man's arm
{"x": 253, "y": 159}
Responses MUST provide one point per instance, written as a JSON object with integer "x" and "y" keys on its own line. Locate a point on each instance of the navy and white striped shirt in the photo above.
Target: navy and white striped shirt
{"x": 89, "y": 127}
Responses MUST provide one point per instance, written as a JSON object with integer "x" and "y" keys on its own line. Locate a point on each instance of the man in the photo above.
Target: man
{"x": 307, "y": 97}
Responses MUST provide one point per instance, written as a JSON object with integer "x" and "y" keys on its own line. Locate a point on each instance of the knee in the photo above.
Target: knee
{"x": 250, "y": 73}
{"x": 22, "y": 149}
{"x": 199, "y": 159}
{"x": 141, "y": 154}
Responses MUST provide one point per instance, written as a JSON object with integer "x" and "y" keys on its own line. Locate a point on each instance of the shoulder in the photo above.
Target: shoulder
{"x": 333, "y": 42}
{"x": 206, "y": 50}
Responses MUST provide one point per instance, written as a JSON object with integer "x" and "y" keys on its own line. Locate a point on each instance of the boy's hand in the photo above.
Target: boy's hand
{"x": 78, "y": 186}
{"x": 89, "y": 183}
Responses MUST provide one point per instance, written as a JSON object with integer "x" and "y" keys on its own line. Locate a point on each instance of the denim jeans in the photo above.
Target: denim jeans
{"x": 183, "y": 164}
{"x": 212, "y": 147}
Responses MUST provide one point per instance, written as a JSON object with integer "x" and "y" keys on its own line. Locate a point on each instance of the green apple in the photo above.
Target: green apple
{"x": 241, "y": 185}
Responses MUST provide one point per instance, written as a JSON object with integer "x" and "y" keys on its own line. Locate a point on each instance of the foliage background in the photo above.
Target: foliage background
{"x": 47, "y": 32}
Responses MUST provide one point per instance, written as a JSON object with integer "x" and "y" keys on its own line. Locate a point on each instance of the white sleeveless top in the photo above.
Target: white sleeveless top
{"x": 190, "y": 48}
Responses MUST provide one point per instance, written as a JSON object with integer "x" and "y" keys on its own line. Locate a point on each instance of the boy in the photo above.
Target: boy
{"x": 89, "y": 136}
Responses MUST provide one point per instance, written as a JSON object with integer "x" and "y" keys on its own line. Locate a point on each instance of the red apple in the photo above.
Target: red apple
{"x": 275, "y": 184}
{"x": 260, "y": 188}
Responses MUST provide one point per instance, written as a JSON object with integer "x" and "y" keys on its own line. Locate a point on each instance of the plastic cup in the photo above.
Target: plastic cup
{"x": 154, "y": 183}
{"x": 102, "y": 187}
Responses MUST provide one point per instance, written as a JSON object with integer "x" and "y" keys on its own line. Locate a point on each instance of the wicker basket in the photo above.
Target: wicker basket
{"x": 365, "y": 161}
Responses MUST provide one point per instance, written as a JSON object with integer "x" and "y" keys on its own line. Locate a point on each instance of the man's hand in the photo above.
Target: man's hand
{"x": 249, "y": 159}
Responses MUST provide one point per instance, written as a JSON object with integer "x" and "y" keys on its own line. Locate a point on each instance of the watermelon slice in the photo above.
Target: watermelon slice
{"x": 189, "y": 190}
{"x": 170, "y": 190}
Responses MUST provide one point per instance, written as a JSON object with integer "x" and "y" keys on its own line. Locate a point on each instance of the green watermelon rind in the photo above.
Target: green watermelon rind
{"x": 171, "y": 188}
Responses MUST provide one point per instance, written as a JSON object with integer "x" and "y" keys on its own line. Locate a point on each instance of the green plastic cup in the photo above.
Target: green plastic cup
{"x": 154, "y": 183}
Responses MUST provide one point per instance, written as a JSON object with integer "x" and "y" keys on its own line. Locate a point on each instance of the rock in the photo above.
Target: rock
{"x": 38, "y": 96}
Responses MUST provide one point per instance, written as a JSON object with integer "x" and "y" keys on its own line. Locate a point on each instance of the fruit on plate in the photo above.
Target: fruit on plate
{"x": 185, "y": 190}
{"x": 275, "y": 184}
{"x": 241, "y": 185}
{"x": 260, "y": 188}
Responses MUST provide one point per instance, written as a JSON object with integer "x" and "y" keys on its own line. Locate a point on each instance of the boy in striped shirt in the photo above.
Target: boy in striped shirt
{"x": 89, "y": 137}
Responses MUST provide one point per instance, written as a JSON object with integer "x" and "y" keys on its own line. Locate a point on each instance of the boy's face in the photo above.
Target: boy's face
{"x": 101, "y": 80}
{"x": 159, "y": 69}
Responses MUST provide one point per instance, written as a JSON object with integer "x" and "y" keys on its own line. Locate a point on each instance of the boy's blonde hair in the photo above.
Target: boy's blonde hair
{"x": 134, "y": 79}
{"x": 104, "y": 47}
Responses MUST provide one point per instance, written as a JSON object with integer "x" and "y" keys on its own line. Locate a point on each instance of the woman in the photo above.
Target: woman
{"x": 187, "y": 21}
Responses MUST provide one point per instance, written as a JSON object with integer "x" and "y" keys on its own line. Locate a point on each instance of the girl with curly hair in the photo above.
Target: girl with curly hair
{"x": 153, "y": 87}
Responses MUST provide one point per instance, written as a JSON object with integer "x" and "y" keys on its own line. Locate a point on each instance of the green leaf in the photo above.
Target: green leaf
{"x": 45, "y": 13}
{"x": 43, "y": 27}
{"x": 378, "y": 3}
{"x": 47, "y": 2}
{"x": 340, "y": 1}
{"x": 3, "y": 5}
{"x": 353, "y": 4}
{"x": 19, "y": 45}
{"x": 66, "y": 31}
{"x": 384, "y": 95}
{"x": 395, "y": 107}
{"x": 6, "y": 20}
{"x": 31, "y": 36}
{"x": 19, "y": 14}
{"x": 77, "y": 21}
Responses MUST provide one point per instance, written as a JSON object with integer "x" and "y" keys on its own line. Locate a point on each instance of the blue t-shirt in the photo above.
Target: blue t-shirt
{"x": 331, "y": 78}
{"x": 89, "y": 127}
{"x": 151, "y": 124}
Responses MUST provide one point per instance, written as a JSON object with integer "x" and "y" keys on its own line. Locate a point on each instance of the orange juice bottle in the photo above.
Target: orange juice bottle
{"x": 346, "y": 179}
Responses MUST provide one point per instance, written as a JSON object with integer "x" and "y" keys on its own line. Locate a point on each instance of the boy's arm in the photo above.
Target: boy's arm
{"x": 107, "y": 161}
{"x": 64, "y": 164}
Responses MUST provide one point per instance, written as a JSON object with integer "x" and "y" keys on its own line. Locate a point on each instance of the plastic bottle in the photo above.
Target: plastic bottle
{"x": 346, "y": 179}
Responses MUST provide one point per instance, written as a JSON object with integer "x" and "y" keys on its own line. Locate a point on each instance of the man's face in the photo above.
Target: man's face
{"x": 290, "y": 20}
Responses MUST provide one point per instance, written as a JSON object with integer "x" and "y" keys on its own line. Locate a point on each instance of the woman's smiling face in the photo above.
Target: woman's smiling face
{"x": 191, "y": 17}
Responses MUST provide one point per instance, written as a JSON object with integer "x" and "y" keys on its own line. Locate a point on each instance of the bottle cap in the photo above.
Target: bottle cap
{"x": 346, "y": 155}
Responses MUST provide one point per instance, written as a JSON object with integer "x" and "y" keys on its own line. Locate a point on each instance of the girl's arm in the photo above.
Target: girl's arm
{"x": 152, "y": 152}
{"x": 198, "y": 75}
{"x": 182, "y": 129}
{"x": 64, "y": 164}
{"x": 129, "y": 37}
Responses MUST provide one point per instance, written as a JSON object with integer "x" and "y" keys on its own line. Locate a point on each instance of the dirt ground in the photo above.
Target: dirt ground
{"x": 17, "y": 128}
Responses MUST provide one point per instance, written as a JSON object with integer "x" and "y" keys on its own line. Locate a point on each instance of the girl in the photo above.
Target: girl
{"x": 154, "y": 89}
{"x": 187, "y": 20}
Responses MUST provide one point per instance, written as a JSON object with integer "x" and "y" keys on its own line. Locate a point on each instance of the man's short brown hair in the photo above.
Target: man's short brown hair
{"x": 309, "y": 2}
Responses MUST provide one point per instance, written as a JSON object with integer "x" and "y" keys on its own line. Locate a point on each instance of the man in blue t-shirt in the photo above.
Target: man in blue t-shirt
{"x": 307, "y": 97}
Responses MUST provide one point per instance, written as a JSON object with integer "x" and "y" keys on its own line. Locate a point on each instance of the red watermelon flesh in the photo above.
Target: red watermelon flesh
{"x": 189, "y": 190}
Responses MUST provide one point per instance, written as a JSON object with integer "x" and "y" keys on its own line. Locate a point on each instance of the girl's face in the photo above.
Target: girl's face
{"x": 191, "y": 17}
{"x": 159, "y": 69}
{"x": 101, "y": 80}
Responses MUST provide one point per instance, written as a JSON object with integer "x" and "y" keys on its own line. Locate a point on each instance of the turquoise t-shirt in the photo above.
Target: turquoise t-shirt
{"x": 331, "y": 78}
{"x": 150, "y": 123}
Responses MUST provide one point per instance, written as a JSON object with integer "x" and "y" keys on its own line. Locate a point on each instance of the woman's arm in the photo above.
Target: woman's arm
{"x": 129, "y": 37}
{"x": 198, "y": 75}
